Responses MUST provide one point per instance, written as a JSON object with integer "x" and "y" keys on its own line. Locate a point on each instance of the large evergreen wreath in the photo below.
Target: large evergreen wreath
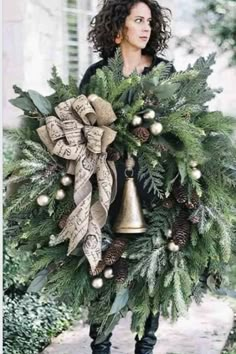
{"x": 188, "y": 161}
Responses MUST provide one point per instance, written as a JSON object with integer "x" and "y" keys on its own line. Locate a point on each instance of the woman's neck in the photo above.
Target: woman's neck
{"x": 134, "y": 59}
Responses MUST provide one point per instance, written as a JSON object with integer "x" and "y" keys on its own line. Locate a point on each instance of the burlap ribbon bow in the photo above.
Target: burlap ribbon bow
{"x": 74, "y": 137}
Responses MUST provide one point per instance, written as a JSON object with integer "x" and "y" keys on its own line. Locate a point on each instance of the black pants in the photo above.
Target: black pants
{"x": 144, "y": 345}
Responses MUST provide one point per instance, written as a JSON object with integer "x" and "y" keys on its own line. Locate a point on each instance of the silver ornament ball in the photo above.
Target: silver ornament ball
{"x": 97, "y": 283}
{"x": 169, "y": 233}
{"x": 149, "y": 114}
{"x": 196, "y": 173}
{"x": 136, "y": 121}
{"x": 108, "y": 273}
{"x": 52, "y": 240}
{"x": 60, "y": 194}
{"x": 156, "y": 128}
{"x": 173, "y": 247}
{"x": 193, "y": 163}
{"x": 66, "y": 180}
{"x": 43, "y": 200}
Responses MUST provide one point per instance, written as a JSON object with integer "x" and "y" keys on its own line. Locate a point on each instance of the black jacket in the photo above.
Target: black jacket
{"x": 145, "y": 197}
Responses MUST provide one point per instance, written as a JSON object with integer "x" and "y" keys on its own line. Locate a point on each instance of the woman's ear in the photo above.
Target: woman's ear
{"x": 118, "y": 38}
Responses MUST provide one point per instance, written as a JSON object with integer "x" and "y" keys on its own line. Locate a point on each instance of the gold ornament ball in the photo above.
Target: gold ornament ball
{"x": 66, "y": 180}
{"x": 60, "y": 194}
{"x": 173, "y": 247}
{"x": 156, "y": 128}
{"x": 149, "y": 115}
{"x": 43, "y": 200}
{"x": 193, "y": 163}
{"x": 136, "y": 121}
{"x": 97, "y": 283}
{"x": 196, "y": 174}
{"x": 108, "y": 273}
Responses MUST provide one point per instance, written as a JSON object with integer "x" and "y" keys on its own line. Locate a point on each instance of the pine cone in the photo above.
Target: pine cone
{"x": 141, "y": 133}
{"x": 112, "y": 154}
{"x": 62, "y": 222}
{"x": 194, "y": 201}
{"x": 114, "y": 251}
{"x": 181, "y": 229}
{"x": 121, "y": 270}
{"x": 100, "y": 267}
{"x": 168, "y": 203}
{"x": 180, "y": 192}
{"x": 161, "y": 147}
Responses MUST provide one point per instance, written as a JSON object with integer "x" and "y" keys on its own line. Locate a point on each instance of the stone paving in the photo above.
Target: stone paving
{"x": 203, "y": 331}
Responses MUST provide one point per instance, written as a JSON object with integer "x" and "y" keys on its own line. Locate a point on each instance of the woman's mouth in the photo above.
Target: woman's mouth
{"x": 144, "y": 38}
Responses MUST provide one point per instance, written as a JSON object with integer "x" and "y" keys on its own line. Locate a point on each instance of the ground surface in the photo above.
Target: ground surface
{"x": 204, "y": 331}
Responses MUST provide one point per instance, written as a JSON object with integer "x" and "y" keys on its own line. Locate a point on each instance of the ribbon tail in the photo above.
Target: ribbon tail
{"x": 99, "y": 211}
{"x": 76, "y": 226}
{"x": 92, "y": 246}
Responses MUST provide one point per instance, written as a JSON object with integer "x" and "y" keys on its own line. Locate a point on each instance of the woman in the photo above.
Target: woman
{"x": 140, "y": 29}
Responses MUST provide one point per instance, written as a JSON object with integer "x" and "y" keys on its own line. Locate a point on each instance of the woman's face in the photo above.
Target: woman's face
{"x": 137, "y": 27}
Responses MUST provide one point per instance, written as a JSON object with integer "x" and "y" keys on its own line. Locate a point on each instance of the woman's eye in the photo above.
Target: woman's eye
{"x": 138, "y": 20}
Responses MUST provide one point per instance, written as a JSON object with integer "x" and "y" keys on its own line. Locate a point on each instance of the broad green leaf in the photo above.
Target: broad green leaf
{"x": 42, "y": 103}
{"x": 120, "y": 301}
{"x": 182, "y": 170}
{"x": 110, "y": 325}
{"x": 38, "y": 283}
{"x": 23, "y": 103}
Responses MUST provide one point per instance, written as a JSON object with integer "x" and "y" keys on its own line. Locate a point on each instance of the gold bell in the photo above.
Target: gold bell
{"x": 130, "y": 219}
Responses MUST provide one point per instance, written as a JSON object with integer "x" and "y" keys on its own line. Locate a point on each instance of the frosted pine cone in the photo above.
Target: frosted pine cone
{"x": 194, "y": 201}
{"x": 49, "y": 171}
{"x": 115, "y": 251}
{"x": 121, "y": 270}
{"x": 142, "y": 134}
{"x": 181, "y": 229}
{"x": 180, "y": 192}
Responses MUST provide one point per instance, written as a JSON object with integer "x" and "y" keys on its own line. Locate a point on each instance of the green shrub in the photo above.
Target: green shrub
{"x": 16, "y": 266}
{"x": 30, "y": 321}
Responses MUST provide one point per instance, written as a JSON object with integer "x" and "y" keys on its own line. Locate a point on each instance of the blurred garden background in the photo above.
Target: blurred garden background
{"x": 40, "y": 34}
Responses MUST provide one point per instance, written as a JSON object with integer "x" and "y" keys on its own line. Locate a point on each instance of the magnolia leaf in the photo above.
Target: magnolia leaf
{"x": 165, "y": 91}
{"x": 110, "y": 325}
{"x": 23, "y": 103}
{"x": 38, "y": 283}
{"x": 24, "y": 116}
{"x": 42, "y": 103}
{"x": 120, "y": 301}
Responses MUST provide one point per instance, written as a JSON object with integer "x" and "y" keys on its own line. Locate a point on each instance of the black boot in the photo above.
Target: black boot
{"x": 104, "y": 346}
{"x": 146, "y": 344}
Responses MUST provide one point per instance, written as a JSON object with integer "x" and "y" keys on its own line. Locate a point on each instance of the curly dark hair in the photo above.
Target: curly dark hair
{"x": 111, "y": 19}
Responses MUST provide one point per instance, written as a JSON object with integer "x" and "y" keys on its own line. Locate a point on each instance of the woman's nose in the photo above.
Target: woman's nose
{"x": 146, "y": 27}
